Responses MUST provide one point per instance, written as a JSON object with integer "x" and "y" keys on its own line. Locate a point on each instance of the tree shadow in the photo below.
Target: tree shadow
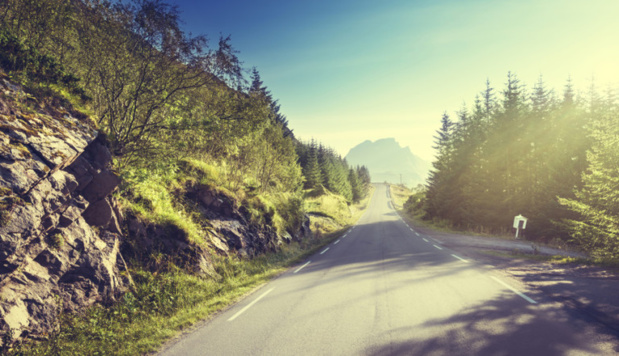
{"x": 501, "y": 327}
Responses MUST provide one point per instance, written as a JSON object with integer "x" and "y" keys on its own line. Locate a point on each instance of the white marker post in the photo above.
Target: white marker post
{"x": 520, "y": 222}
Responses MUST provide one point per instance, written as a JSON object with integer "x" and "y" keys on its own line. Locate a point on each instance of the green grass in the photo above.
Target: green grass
{"x": 152, "y": 200}
{"x": 399, "y": 195}
{"x": 162, "y": 305}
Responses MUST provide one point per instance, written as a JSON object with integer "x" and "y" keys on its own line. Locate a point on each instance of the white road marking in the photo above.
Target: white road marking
{"x": 416, "y": 233}
{"x": 300, "y": 268}
{"x": 344, "y": 235}
{"x": 522, "y": 295}
{"x": 250, "y": 305}
{"x": 439, "y": 247}
{"x": 424, "y": 239}
{"x": 325, "y": 250}
{"x": 460, "y": 258}
{"x": 336, "y": 242}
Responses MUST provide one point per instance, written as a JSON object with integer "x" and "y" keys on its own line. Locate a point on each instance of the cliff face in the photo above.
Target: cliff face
{"x": 59, "y": 226}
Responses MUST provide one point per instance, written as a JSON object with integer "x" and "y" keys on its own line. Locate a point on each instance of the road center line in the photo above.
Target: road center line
{"x": 424, "y": 239}
{"x": 336, "y": 242}
{"x": 300, "y": 268}
{"x": 325, "y": 250}
{"x": 250, "y": 305}
{"x": 522, "y": 295}
{"x": 440, "y": 248}
{"x": 460, "y": 258}
{"x": 416, "y": 233}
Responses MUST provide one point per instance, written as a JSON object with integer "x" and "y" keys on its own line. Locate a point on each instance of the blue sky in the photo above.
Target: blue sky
{"x": 346, "y": 71}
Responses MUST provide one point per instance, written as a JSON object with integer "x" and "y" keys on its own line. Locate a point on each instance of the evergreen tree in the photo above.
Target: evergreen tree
{"x": 311, "y": 170}
{"x": 356, "y": 185}
{"x": 597, "y": 202}
{"x": 364, "y": 176}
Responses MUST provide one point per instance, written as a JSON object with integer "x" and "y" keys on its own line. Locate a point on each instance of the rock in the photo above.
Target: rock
{"x": 54, "y": 172}
{"x": 99, "y": 213}
{"x": 101, "y": 186}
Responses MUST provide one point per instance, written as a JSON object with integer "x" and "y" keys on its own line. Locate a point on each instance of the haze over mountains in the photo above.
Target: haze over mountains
{"x": 389, "y": 162}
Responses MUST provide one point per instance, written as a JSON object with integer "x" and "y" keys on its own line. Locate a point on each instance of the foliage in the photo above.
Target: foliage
{"x": 529, "y": 153}
{"x": 19, "y": 60}
{"x": 596, "y": 227}
{"x": 323, "y": 168}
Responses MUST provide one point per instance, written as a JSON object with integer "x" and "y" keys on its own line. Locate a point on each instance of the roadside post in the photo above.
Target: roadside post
{"x": 520, "y": 222}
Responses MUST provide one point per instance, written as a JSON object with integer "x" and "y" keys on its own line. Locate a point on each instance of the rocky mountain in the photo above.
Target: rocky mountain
{"x": 389, "y": 162}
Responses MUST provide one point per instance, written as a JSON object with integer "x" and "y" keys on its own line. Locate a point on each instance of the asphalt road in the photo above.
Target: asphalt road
{"x": 386, "y": 289}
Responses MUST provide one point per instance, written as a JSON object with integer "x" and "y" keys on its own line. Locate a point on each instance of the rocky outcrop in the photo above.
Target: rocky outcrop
{"x": 232, "y": 227}
{"x": 55, "y": 187}
{"x": 230, "y": 232}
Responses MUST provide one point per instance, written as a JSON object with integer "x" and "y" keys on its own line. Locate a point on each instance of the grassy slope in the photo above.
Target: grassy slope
{"x": 164, "y": 304}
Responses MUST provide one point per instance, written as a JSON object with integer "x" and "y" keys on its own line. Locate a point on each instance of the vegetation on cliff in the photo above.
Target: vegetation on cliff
{"x": 190, "y": 131}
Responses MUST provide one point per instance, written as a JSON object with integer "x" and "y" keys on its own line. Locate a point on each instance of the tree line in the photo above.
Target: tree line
{"x": 323, "y": 167}
{"x": 553, "y": 158}
{"x": 159, "y": 94}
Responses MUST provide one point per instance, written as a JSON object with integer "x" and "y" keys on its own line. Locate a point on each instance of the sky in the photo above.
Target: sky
{"x": 345, "y": 71}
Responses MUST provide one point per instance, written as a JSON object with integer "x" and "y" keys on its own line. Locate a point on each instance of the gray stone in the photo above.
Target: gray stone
{"x": 47, "y": 248}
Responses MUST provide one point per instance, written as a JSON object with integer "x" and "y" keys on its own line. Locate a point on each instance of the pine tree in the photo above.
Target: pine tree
{"x": 437, "y": 200}
{"x": 311, "y": 170}
{"x": 356, "y": 185}
{"x": 597, "y": 202}
{"x": 364, "y": 176}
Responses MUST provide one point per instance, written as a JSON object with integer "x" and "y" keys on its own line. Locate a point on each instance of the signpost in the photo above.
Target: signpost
{"x": 520, "y": 222}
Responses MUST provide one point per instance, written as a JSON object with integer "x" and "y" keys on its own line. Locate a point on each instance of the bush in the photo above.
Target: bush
{"x": 18, "y": 59}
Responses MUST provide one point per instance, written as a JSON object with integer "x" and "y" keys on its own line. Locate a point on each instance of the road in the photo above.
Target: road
{"x": 386, "y": 289}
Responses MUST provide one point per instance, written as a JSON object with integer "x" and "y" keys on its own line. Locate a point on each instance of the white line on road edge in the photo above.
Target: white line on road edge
{"x": 250, "y": 305}
{"x": 424, "y": 239}
{"x": 344, "y": 235}
{"x": 416, "y": 233}
{"x": 460, "y": 258}
{"x": 440, "y": 248}
{"x": 336, "y": 242}
{"x": 514, "y": 290}
{"x": 325, "y": 250}
{"x": 300, "y": 268}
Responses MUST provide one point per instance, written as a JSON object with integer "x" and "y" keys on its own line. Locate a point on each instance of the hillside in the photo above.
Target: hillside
{"x": 389, "y": 162}
{"x": 131, "y": 209}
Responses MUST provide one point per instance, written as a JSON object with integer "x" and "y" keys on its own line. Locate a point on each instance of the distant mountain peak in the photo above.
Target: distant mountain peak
{"x": 390, "y": 162}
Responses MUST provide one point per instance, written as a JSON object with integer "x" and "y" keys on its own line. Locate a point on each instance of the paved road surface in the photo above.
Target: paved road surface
{"x": 385, "y": 289}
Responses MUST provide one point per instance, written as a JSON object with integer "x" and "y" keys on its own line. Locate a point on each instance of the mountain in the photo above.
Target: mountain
{"x": 389, "y": 162}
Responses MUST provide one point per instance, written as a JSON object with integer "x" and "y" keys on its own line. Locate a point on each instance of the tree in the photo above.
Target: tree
{"x": 137, "y": 62}
{"x": 355, "y": 185}
{"x": 597, "y": 202}
{"x": 311, "y": 169}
